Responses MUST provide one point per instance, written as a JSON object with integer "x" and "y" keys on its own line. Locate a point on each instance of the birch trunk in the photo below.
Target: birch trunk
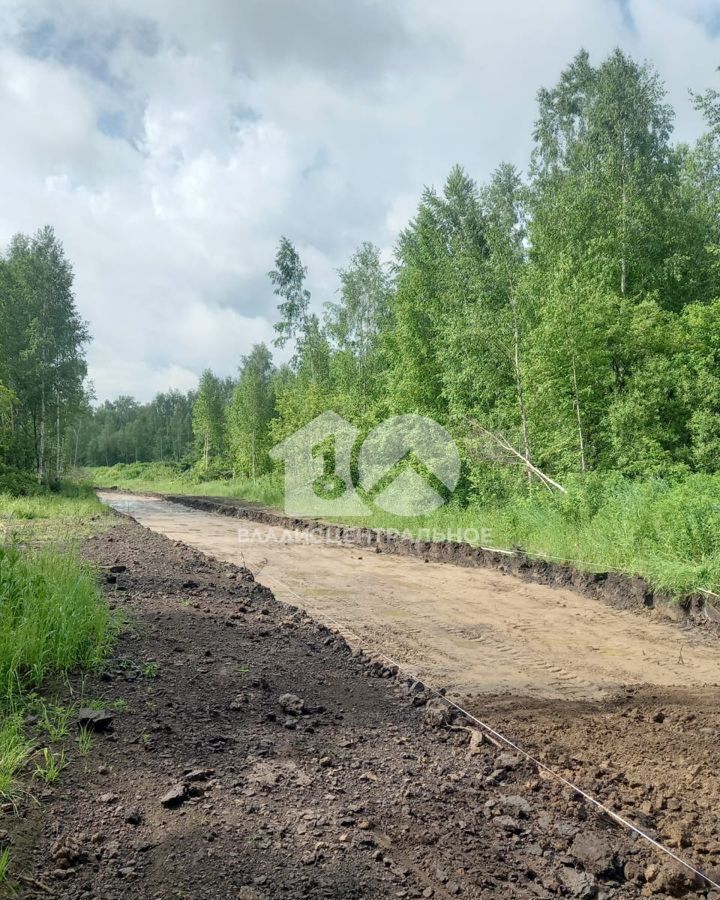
{"x": 578, "y": 415}
{"x": 58, "y": 448}
{"x": 41, "y": 450}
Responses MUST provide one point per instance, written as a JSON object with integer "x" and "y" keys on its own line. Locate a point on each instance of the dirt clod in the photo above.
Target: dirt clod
{"x": 292, "y": 704}
{"x": 578, "y": 884}
{"x": 175, "y": 796}
{"x": 593, "y": 852}
{"x": 97, "y": 720}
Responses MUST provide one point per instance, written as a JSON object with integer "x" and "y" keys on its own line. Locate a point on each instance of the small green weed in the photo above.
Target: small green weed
{"x": 14, "y": 752}
{"x": 55, "y": 720}
{"x": 4, "y": 865}
{"x": 50, "y": 766}
{"x": 84, "y": 741}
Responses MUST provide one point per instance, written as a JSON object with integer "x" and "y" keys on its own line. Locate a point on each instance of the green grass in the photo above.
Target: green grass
{"x": 74, "y": 503}
{"x": 84, "y": 741}
{"x": 14, "y": 752}
{"x": 164, "y": 479}
{"x": 50, "y": 765}
{"x": 54, "y": 618}
{"x": 55, "y": 720}
{"x": 53, "y": 621}
{"x": 50, "y": 506}
{"x": 4, "y": 865}
{"x": 56, "y": 518}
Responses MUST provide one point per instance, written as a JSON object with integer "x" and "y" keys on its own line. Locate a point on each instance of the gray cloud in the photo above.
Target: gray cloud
{"x": 170, "y": 144}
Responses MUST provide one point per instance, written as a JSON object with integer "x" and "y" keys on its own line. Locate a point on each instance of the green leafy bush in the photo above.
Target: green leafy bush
{"x": 122, "y": 473}
{"x": 16, "y": 482}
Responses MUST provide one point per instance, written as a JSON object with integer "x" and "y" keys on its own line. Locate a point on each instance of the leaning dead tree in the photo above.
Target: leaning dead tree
{"x": 494, "y": 446}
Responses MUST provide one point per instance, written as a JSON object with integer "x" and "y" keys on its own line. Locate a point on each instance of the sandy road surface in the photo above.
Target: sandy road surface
{"x": 469, "y": 630}
{"x": 472, "y": 631}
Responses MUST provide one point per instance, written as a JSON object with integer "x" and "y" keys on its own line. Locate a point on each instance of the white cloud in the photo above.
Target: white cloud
{"x": 171, "y": 144}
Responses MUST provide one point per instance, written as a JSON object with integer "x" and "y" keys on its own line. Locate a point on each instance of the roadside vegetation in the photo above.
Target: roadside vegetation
{"x": 72, "y": 503}
{"x": 54, "y": 621}
{"x": 167, "y": 479}
{"x": 571, "y": 312}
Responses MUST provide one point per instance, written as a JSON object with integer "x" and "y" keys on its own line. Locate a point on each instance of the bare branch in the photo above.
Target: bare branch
{"x": 499, "y": 449}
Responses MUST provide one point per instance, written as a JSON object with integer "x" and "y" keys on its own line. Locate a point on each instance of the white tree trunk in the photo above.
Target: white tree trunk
{"x": 41, "y": 449}
{"x": 578, "y": 416}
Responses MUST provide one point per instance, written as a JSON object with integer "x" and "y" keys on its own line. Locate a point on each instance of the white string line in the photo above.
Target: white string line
{"x": 540, "y": 765}
{"x": 621, "y": 820}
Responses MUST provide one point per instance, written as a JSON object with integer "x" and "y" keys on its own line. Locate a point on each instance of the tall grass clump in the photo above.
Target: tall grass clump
{"x": 14, "y": 752}
{"x": 53, "y": 618}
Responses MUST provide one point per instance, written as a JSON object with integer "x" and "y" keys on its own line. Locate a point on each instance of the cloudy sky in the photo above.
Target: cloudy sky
{"x": 171, "y": 142}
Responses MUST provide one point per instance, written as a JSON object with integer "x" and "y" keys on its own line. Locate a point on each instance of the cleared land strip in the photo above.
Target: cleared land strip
{"x": 472, "y": 631}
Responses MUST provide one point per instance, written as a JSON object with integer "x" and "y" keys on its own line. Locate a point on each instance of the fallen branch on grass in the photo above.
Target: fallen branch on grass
{"x": 498, "y": 448}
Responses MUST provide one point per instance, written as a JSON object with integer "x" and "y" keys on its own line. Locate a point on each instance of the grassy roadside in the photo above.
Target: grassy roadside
{"x": 165, "y": 479}
{"x": 56, "y": 519}
{"x": 666, "y": 530}
{"x": 53, "y": 621}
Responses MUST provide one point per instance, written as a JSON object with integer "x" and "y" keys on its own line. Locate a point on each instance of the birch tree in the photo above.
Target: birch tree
{"x": 43, "y": 346}
{"x": 208, "y": 419}
{"x": 251, "y": 411}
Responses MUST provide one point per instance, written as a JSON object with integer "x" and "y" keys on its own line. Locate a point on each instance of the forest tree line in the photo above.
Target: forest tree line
{"x": 42, "y": 361}
{"x": 574, "y": 310}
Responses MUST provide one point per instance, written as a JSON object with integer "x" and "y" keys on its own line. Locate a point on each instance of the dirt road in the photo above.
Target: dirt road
{"x": 253, "y": 757}
{"x": 471, "y": 631}
{"x": 622, "y": 703}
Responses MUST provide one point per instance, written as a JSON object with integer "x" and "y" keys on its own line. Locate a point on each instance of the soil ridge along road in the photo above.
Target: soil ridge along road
{"x": 615, "y": 588}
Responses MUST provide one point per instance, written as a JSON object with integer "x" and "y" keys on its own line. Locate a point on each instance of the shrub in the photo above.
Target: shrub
{"x": 16, "y": 482}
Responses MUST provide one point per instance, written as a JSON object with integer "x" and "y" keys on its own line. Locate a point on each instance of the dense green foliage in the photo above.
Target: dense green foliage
{"x": 42, "y": 363}
{"x": 124, "y": 430}
{"x": 575, "y": 312}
